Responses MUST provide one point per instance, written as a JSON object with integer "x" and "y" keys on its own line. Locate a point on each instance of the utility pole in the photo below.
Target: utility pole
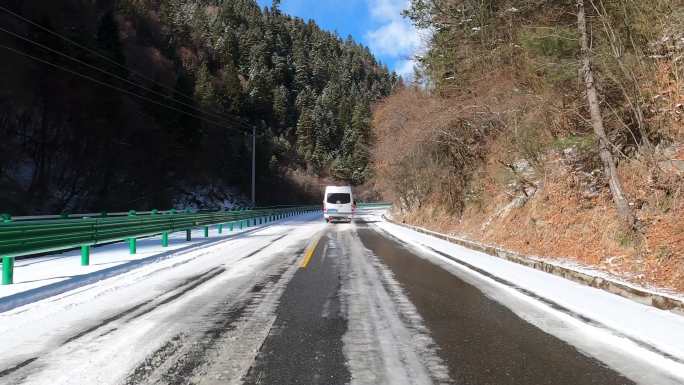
{"x": 253, "y": 166}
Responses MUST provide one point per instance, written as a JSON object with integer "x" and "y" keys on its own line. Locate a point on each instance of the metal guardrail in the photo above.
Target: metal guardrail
{"x": 4, "y": 216}
{"x": 372, "y": 205}
{"x": 34, "y": 235}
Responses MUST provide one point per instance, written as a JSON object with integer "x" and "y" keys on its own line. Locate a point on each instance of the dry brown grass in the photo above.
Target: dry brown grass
{"x": 560, "y": 223}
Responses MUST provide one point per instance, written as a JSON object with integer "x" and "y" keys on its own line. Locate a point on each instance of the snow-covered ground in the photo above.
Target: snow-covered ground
{"x": 629, "y": 337}
{"x": 199, "y": 311}
{"x": 36, "y": 278}
{"x": 99, "y": 332}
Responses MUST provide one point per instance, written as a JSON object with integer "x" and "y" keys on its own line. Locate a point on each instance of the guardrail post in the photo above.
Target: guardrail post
{"x": 7, "y": 270}
{"x": 85, "y": 255}
{"x": 165, "y": 239}
{"x": 206, "y": 231}
{"x": 230, "y": 226}
{"x": 132, "y": 245}
{"x": 241, "y": 222}
{"x": 220, "y": 228}
{"x": 188, "y": 234}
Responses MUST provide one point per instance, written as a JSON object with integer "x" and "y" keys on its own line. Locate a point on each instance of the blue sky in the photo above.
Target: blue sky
{"x": 375, "y": 23}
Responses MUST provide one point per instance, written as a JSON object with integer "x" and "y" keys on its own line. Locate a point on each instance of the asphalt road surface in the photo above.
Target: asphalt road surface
{"x": 474, "y": 339}
{"x": 311, "y": 303}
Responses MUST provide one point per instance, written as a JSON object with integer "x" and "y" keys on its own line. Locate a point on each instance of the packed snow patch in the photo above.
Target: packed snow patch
{"x": 386, "y": 341}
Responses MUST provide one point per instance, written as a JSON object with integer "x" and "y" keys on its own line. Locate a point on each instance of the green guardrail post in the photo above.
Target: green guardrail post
{"x": 85, "y": 255}
{"x": 220, "y": 228}
{"x": 165, "y": 239}
{"x": 188, "y": 234}
{"x": 7, "y": 270}
{"x": 241, "y": 222}
{"x": 230, "y": 226}
{"x": 132, "y": 245}
{"x": 206, "y": 231}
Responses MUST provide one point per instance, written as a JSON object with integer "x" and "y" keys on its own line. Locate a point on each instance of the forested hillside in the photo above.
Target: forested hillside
{"x": 141, "y": 104}
{"x": 548, "y": 127}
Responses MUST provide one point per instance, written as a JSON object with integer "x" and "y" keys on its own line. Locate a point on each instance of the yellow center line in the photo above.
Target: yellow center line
{"x": 309, "y": 253}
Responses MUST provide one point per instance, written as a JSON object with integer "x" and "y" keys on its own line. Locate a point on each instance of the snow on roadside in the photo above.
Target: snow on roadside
{"x": 42, "y": 277}
{"x": 643, "y": 337}
{"x": 386, "y": 341}
{"x": 45, "y": 330}
{"x": 570, "y": 264}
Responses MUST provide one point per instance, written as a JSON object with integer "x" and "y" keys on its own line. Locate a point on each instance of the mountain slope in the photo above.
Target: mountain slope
{"x": 501, "y": 146}
{"x": 186, "y": 81}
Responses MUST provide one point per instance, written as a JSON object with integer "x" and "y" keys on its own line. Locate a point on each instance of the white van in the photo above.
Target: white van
{"x": 338, "y": 203}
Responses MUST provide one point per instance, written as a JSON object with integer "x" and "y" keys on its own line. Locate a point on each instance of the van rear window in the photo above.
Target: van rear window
{"x": 339, "y": 198}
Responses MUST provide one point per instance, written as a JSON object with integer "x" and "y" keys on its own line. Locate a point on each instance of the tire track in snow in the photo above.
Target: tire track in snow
{"x": 171, "y": 295}
{"x": 387, "y": 341}
{"x": 229, "y": 337}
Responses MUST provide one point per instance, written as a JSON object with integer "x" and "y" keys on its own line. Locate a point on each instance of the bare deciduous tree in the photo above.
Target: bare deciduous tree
{"x": 624, "y": 211}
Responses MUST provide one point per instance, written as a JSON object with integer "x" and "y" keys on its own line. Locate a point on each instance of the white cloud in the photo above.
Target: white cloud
{"x": 387, "y": 10}
{"x": 405, "y": 68}
{"x": 395, "y": 38}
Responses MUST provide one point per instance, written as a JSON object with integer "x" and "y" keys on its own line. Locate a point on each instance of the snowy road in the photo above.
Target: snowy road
{"x": 303, "y": 302}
